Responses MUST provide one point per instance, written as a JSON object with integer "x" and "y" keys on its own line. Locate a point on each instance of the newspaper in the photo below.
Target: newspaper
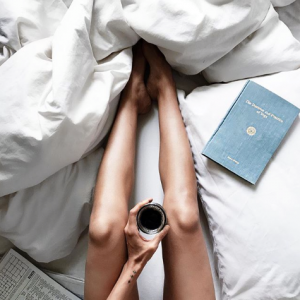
{"x": 21, "y": 280}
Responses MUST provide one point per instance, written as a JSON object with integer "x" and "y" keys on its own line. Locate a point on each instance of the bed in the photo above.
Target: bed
{"x": 70, "y": 61}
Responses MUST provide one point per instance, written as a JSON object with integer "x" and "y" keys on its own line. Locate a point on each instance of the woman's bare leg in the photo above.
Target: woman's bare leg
{"x": 187, "y": 268}
{"x": 107, "y": 248}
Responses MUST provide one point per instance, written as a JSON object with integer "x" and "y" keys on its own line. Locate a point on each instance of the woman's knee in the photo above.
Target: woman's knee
{"x": 106, "y": 232}
{"x": 184, "y": 216}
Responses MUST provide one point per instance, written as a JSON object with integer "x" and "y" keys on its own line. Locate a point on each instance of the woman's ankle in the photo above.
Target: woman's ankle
{"x": 167, "y": 93}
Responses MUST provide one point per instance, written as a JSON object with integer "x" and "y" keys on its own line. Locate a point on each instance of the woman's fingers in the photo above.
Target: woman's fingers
{"x": 131, "y": 224}
{"x": 134, "y": 210}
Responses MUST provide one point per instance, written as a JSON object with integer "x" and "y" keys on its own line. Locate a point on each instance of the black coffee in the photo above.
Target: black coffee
{"x": 151, "y": 218}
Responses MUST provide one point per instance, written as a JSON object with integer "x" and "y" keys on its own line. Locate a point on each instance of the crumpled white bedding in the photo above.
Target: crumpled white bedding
{"x": 63, "y": 66}
{"x": 281, "y": 3}
{"x": 290, "y": 15}
{"x": 59, "y": 208}
{"x": 271, "y": 48}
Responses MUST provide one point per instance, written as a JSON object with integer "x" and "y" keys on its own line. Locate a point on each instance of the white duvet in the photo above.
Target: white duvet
{"x": 63, "y": 67}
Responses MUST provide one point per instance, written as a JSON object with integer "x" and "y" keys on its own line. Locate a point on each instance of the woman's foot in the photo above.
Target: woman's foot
{"x": 135, "y": 91}
{"x": 160, "y": 79}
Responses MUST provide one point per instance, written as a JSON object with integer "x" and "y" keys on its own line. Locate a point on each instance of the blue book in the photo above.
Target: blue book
{"x": 251, "y": 131}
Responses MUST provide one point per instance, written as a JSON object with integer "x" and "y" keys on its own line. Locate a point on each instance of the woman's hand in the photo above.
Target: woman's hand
{"x": 139, "y": 249}
{"x": 139, "y": 252}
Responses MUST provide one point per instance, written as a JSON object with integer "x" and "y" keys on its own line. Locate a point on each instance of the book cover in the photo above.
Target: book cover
{"x": 251, "y": 131}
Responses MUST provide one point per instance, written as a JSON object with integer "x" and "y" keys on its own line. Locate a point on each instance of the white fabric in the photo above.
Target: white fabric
{"x": 270, "y": 49}
{"x": 70, "y": 270}
{"x": 5, "y": 245}
{"x": 194, "y": 34}
{"x": 280, "y": 3}
{"x": 46, "y": 220}
{"x": 290, "y": 15}
{"x": 61, "y": 107}
{"x": 22, "y": 22}
{"x": 255, "y": 229}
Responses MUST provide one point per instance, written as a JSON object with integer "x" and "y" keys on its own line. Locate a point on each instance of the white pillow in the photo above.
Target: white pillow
{"x": 194, "y": 34}
{"x": 46, "y": 220}
{"x": 255, "y": 229}
{"x": 270, "y": 49}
